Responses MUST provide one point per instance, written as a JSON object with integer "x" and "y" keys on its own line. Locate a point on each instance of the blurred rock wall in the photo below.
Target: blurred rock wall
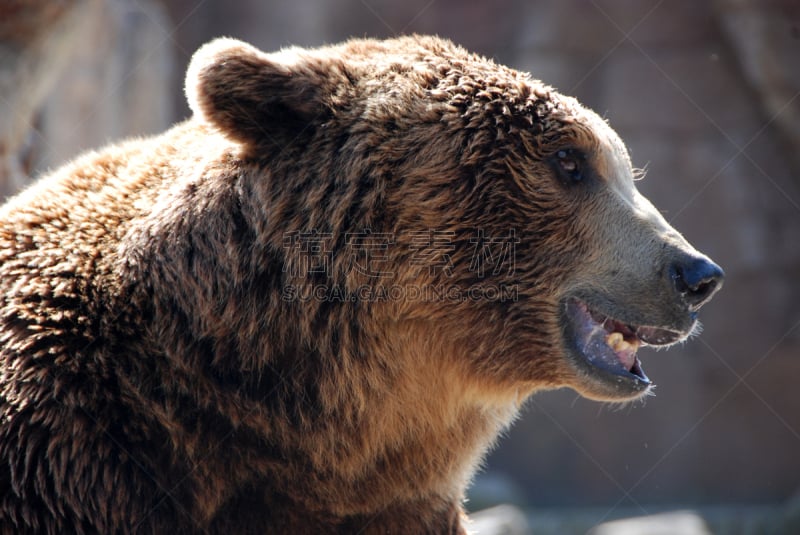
{"x": 706, "y": 96}
{"x": 77, "y": 74}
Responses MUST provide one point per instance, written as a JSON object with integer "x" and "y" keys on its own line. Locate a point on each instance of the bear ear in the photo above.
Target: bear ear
{"x": 254, "y": 97}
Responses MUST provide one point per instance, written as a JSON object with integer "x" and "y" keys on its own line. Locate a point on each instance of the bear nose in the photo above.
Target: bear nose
{"x": 696, "y": 279}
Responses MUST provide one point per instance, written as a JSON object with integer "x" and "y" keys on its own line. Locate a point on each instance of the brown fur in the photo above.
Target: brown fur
{"x": 156, "y": 379}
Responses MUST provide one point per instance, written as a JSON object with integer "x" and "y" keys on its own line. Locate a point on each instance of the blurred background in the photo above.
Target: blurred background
{"x": 707, "y": 96}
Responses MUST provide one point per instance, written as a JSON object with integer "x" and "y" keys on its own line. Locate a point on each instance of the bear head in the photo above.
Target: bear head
{"x": 456, "y": 211}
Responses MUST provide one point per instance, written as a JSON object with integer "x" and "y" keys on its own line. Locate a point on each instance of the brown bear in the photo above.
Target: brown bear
{"x": 313, "y": 306}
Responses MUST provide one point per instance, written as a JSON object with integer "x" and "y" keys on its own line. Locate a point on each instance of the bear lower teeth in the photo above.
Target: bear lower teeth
{"x": 617, "y": 342}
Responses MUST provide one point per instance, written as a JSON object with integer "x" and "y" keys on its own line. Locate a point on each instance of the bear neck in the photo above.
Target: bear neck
{"x": 303, "y": 379}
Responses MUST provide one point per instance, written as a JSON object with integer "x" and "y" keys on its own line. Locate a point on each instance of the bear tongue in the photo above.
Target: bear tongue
{"x": 597, "y": 348}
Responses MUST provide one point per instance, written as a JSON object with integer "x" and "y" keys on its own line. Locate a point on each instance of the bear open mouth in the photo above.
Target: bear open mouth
{"x": 611, "y": 345}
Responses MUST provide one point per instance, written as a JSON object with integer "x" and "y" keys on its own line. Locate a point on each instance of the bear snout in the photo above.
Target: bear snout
{"x": 695, "y": 279}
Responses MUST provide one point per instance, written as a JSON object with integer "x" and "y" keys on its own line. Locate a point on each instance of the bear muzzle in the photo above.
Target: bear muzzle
{"x": 602, "y": 345}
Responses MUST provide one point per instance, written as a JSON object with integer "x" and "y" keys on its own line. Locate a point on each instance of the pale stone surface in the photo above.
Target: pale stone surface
{"x": 500, "y": 520}
{"x": 678, "y": 522}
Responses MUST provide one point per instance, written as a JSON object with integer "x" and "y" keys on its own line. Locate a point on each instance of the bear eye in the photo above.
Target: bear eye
{"x": 569, "y": 164}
